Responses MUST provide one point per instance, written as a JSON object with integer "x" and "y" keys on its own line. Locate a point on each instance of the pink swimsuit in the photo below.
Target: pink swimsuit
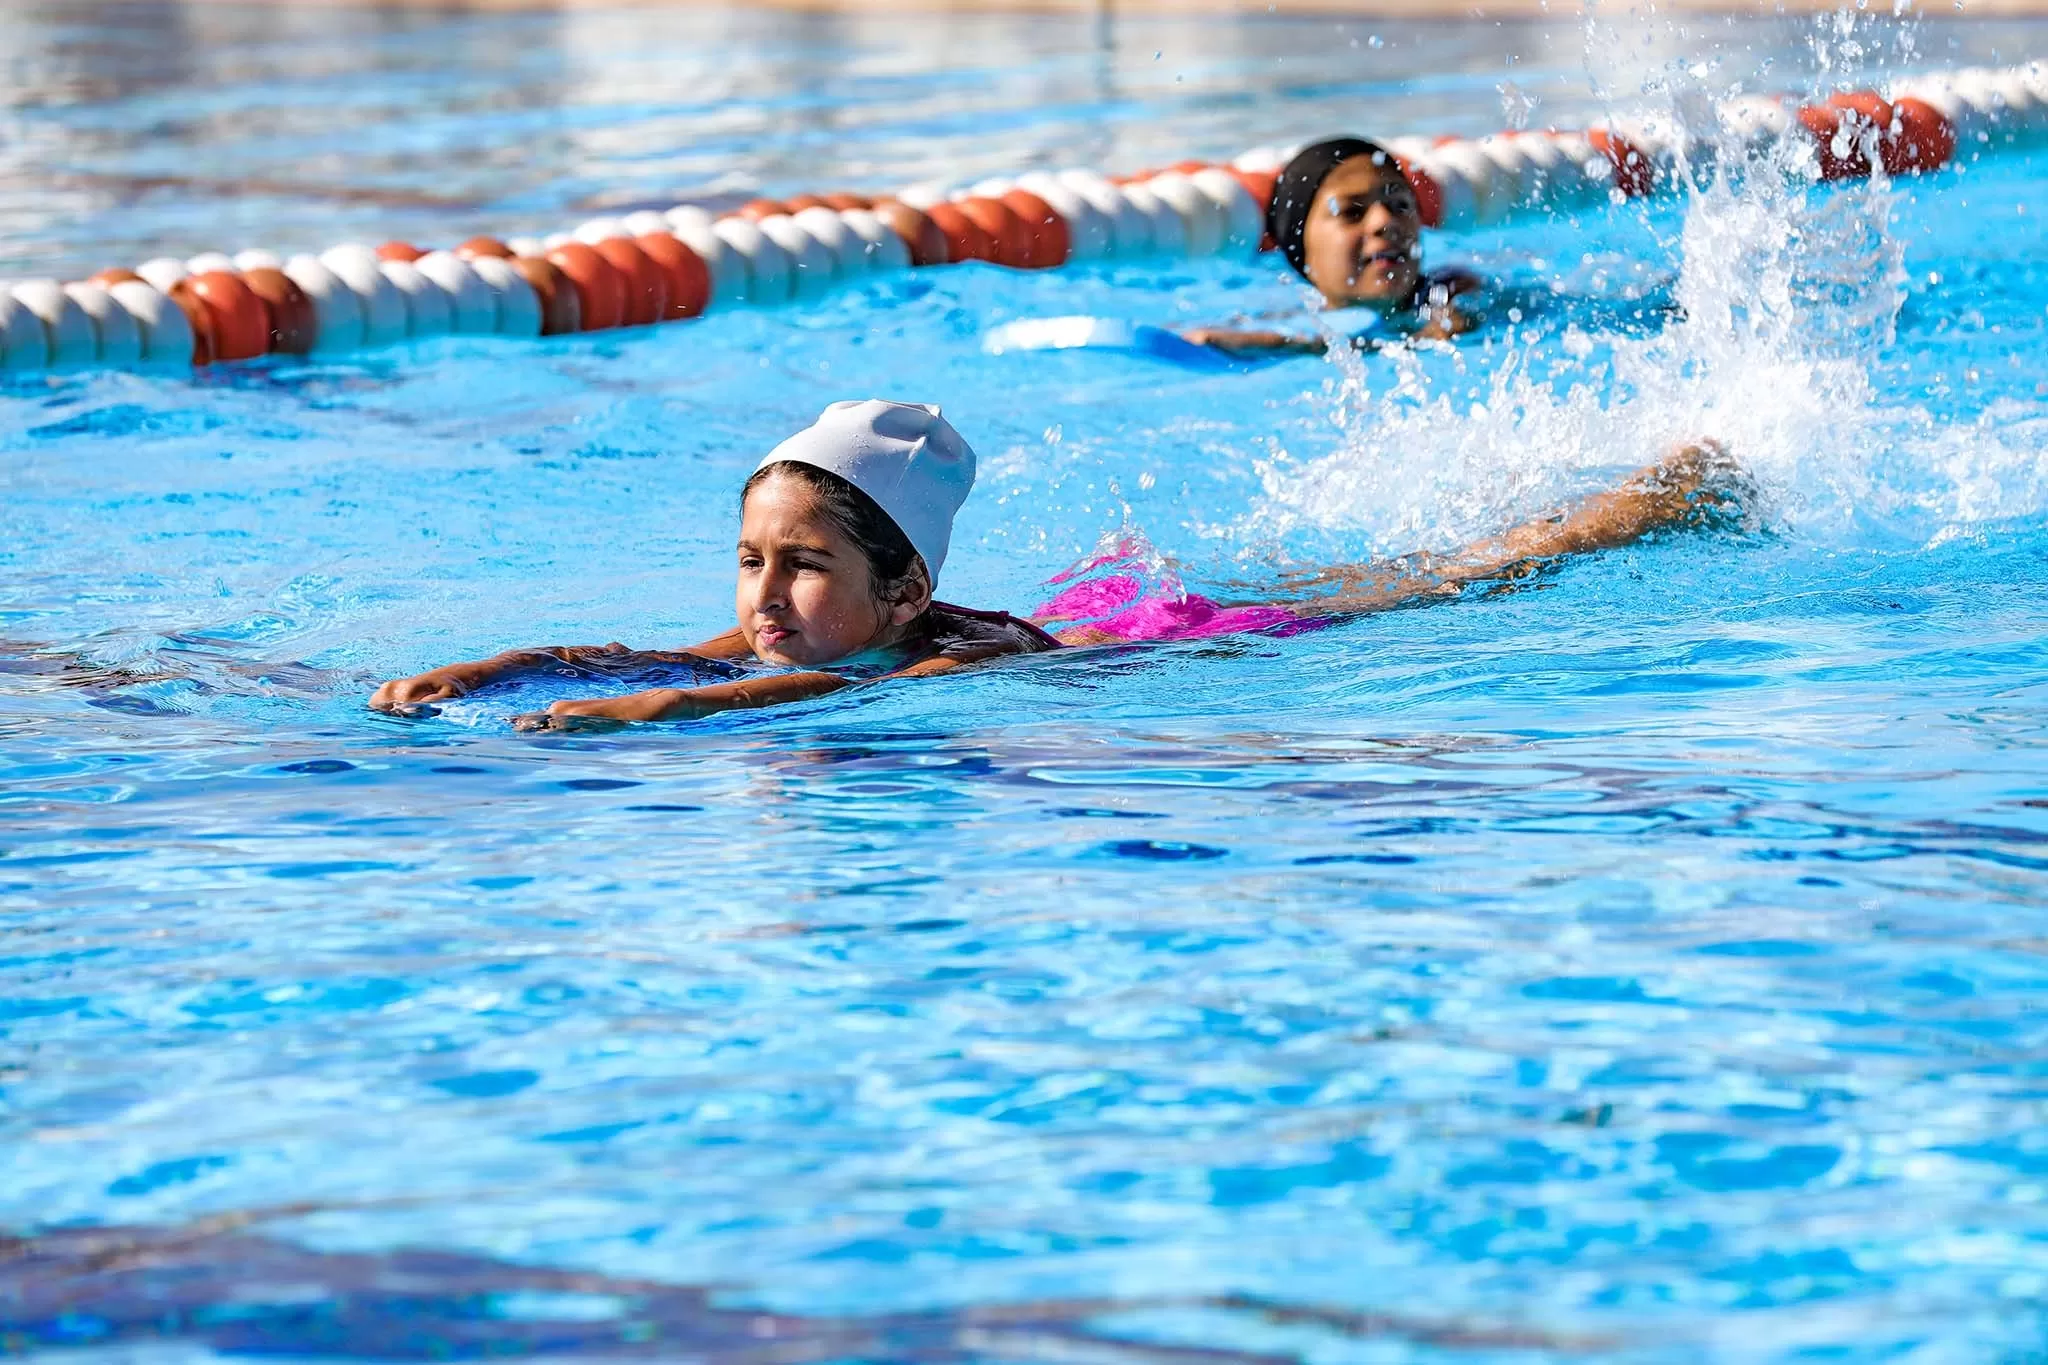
{"x": 1118, "y": 604}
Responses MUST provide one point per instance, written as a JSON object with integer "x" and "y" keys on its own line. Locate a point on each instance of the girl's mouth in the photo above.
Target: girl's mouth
{"x": 767, "y": 637}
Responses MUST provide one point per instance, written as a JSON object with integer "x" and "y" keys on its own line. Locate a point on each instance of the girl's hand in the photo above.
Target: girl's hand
{"x": 1442, "y": 318}
{"x": 1445, "y": 323}
{"x": 601, "y": 713}
{"x": 1237, "y": 342}
{"x": 561, "y": 722}
{"x": 437, "y": 685}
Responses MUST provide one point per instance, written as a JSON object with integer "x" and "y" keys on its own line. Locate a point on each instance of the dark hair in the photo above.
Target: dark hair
{"x": 859, "y": 518}
{"x": 1294, "y": 193}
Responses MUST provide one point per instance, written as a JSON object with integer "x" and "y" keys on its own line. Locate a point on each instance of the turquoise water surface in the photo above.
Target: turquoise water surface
{"x": 1643, "y": 964}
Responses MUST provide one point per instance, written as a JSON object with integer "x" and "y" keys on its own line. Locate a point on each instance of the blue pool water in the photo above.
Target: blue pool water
{"x": 1646, "y": 964}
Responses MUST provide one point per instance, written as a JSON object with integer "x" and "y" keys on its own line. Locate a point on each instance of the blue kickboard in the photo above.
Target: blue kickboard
{"x": 1105, "y": 334}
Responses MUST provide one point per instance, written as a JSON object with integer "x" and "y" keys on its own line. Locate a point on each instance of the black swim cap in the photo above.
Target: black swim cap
{"x": 1294, "y": 193}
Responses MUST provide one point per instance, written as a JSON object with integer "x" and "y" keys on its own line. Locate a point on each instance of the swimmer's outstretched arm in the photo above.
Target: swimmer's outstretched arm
{"x": 689, "y": 703}
{"x": 1692, "y": 480}
{"x": 1241, "y": 342}
{"x": 459, "y": 680}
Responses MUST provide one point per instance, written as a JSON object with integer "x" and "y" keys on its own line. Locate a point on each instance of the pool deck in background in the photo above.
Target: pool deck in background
{"x": 537, "y": 116}
{"x": 1407, "y": 9}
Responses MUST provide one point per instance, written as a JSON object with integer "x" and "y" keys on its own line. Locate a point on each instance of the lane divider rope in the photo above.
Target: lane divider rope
{"x": 650, "y": 267}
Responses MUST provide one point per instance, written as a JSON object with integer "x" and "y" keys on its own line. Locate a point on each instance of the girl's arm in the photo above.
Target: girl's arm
{"x": 687, "y": 703}
{"x": 1676, "y": 490}
{"x": 1254, "y": 343}
{"x": 1434, "y": 315}
{"x": 459, "y": 680}
{"x": 1672, "y": 491}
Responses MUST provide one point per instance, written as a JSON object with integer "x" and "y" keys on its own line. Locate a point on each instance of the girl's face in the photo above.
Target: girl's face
{"x": 805, "y": 593}
{"x": 1363, "y": 241}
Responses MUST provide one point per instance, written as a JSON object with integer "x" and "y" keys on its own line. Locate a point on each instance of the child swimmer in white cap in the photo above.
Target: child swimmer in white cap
{"x": 844, "y": 529}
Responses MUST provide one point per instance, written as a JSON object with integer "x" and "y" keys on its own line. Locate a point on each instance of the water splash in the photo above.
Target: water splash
{"x": 1787, "y": 298}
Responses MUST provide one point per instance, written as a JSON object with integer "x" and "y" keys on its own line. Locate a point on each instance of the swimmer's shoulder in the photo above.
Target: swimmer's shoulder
{"x": 969, "y": 633}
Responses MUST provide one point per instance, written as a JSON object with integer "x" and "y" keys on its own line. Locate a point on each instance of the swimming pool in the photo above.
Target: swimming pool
{"x": 1644, "y": 964}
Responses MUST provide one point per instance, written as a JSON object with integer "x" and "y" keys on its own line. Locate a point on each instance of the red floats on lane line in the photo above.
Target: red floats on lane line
{"x": 241, "y": 321}
{"x": 1051, "y": 240}
{"x": 112, "y": 276}
{"x": 1840, "y": 130}
{"x": 1868, "y": 103}
{"x": 399, "y": 251}
{"x": 1911, "y": 135}
{"x": 1923, "y": 140}
{"x": 925, "y": 239}
{"x": 842, "y": 200}
{"x": 293, "y": 323}
{"x": 754, "y": 210}
{"x": 965, "y": 240}
{"x": 485, "y": 246}
{"x": 600, "y": 289}
{"x": 1009, "y": 233}
{"x": 561, "y": 311}
{"x": 1429, "y": 196}
{"x": 646, "y": 284}
{"x": 689, "y": 283}
{"x": 1634, "y": 176}
{"x": 197, "y": 316}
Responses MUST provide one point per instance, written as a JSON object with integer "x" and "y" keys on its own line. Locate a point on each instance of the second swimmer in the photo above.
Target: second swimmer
{"x": 1346, "y": 218}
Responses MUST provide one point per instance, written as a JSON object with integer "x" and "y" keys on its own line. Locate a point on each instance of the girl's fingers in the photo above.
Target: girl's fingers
{"x": 563, "y": 720}
{"x": 406, "y": 691}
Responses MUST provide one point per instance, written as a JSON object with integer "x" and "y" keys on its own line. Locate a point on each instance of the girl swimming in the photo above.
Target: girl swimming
{"x": 1345, "y": 216}
{"x": 844, "y": 530}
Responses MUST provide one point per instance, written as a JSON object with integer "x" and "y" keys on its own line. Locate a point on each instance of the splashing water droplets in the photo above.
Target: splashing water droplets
{"x": 1787, "y": 294}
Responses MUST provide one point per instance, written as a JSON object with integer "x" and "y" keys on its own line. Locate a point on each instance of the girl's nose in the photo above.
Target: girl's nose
{"x": 771, "y": 589}
{"x": 1379, "y": 218}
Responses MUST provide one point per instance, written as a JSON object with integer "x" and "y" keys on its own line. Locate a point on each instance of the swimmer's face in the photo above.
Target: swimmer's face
{"x": 1363, "y": 241}
{"x": 805, "y": 594}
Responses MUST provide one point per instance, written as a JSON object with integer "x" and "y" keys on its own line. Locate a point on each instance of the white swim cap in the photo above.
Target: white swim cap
{"x": 903, "y": 455}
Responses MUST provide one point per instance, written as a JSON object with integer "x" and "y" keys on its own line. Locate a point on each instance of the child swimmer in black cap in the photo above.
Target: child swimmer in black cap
{"x": 1346, "y": 217}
